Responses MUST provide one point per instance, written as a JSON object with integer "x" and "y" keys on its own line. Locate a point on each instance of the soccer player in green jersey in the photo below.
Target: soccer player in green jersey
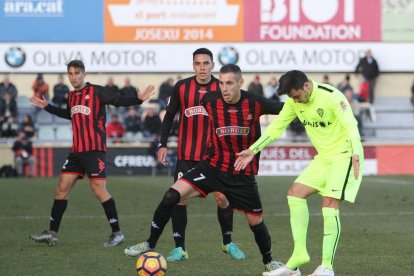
{"x": 335, "y": 172}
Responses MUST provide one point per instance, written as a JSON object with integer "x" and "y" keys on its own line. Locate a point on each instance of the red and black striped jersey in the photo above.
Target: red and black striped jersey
{"x": 86, "y": 110}
{"x": 193, "y": 123}
{"x": 234, "y": 127}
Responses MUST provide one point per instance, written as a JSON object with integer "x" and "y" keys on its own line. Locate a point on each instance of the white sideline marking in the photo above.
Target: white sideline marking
{"x": 348, "y": 214}
{"x": 387, "y": 181}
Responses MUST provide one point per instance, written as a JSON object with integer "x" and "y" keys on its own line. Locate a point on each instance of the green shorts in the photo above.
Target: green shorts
{"x": 333, "y": 178}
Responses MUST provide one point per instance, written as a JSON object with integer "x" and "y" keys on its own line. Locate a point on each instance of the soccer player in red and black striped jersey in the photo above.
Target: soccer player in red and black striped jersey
{"x": 186, "y": 99}
{"x": 234, "y": 124}
{"x": 86, "y": 110}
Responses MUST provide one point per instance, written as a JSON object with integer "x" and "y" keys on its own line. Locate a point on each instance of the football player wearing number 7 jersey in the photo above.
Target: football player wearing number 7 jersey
{"x": 234, "y": 124}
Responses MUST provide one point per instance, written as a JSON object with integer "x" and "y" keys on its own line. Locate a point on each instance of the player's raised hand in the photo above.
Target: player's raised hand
{"x": 355, "y": 164}
{"x": 162, "y": 156}
{"x": 148, "y": 92}
{"x": 35, "y": 101}
{"x": 243, "y": 159}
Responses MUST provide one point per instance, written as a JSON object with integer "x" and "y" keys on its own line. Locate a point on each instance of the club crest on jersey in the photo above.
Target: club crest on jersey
{"x": 80, "y": 109}
{"x": 320, "y": 112}
{"x": 232, "y": 130}
{"x": 343, "y": 105}
{"x": 195, "y": 110}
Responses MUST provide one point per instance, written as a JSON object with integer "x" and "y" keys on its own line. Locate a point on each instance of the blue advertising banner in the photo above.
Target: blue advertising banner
{"x": 51, "y": 21}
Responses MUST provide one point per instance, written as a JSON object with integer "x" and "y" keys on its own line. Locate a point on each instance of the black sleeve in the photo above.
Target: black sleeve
{"x": 60, "y": 112}
{"x": 269, "y": 106}
{"x": 358, "y": 67}
{"x": 377, "y": 72}
{"x": 116, "y": 99}
{"x": 171, "y": 110}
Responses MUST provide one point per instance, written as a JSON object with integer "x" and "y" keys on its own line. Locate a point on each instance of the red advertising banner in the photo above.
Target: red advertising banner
{"x": 395, "y": 160}
{"x": 173, "y": 20}
{"x": 313, "y": 20}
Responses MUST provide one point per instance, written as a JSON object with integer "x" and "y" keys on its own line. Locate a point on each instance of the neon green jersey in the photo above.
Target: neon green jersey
{"x": 328, "y": 119}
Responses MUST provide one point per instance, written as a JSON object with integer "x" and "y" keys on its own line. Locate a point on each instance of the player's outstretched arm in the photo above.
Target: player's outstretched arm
{"x": 243, "y": 159}
{"x": 42, "y": 103}
{"x": 35, "y": 101}
{"x": 148, "y": 92}
{"x": 355, "y": 164}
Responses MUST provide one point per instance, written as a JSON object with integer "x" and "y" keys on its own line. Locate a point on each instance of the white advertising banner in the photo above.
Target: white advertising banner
{"x": 177, "y": 57}
{"x": 292, "y": 160}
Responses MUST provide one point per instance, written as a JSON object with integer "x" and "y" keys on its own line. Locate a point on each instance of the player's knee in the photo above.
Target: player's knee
{"x": 330, "y": 202}
{"x": 221, "y": 200}
{"x": 171, "y": 198}
{"x": 254, "y": 220}
{"x": 61, "y": 193}
{"x": 295, "y": 191}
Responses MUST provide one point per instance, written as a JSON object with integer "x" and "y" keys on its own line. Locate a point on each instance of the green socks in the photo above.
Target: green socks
{"x": 299, "y": 219}
{"x": 331, "y": 232}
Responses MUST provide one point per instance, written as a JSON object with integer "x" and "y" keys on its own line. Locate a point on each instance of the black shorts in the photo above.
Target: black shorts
{"x": 91, "y": 162}
{"x": 241, "y": 190}
{"x": 182, "y": 167}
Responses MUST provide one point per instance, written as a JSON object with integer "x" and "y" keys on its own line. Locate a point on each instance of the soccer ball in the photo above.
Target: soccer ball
{"x": 151, "y": 264}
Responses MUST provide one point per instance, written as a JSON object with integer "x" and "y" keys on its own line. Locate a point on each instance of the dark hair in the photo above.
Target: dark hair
{"x": 231, "y": 68}
{"x": 203, "y": 51}
{"x": 294, "y": 79}
{"x": 76, "y": 63}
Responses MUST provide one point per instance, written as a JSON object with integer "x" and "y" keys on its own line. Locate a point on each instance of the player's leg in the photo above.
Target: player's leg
{"x": 331, "y": 233}
{"x": 299, "y": 220}
{"x": 311, "y": 180}
{"x": 340, "y": 185}
{"x": 31, "y": 162}
{"x": 261, "y": 236}
{"x": 225, "y": 218}
{"x": 62, "y": 192}
{"x": 98, "y": 187}
{"x": 179, "y": 217}
{"x": 180, "y": 190}
{"x": 19, "y": 165}
{"x": 95, "y": 167}
{"x": 179, "y": 225}
{"x": 243, "y": 194}
{"x": 263, "y": 241}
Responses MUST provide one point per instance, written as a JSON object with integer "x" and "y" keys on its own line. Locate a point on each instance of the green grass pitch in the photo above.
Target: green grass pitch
{"x": 377, "y": 232}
